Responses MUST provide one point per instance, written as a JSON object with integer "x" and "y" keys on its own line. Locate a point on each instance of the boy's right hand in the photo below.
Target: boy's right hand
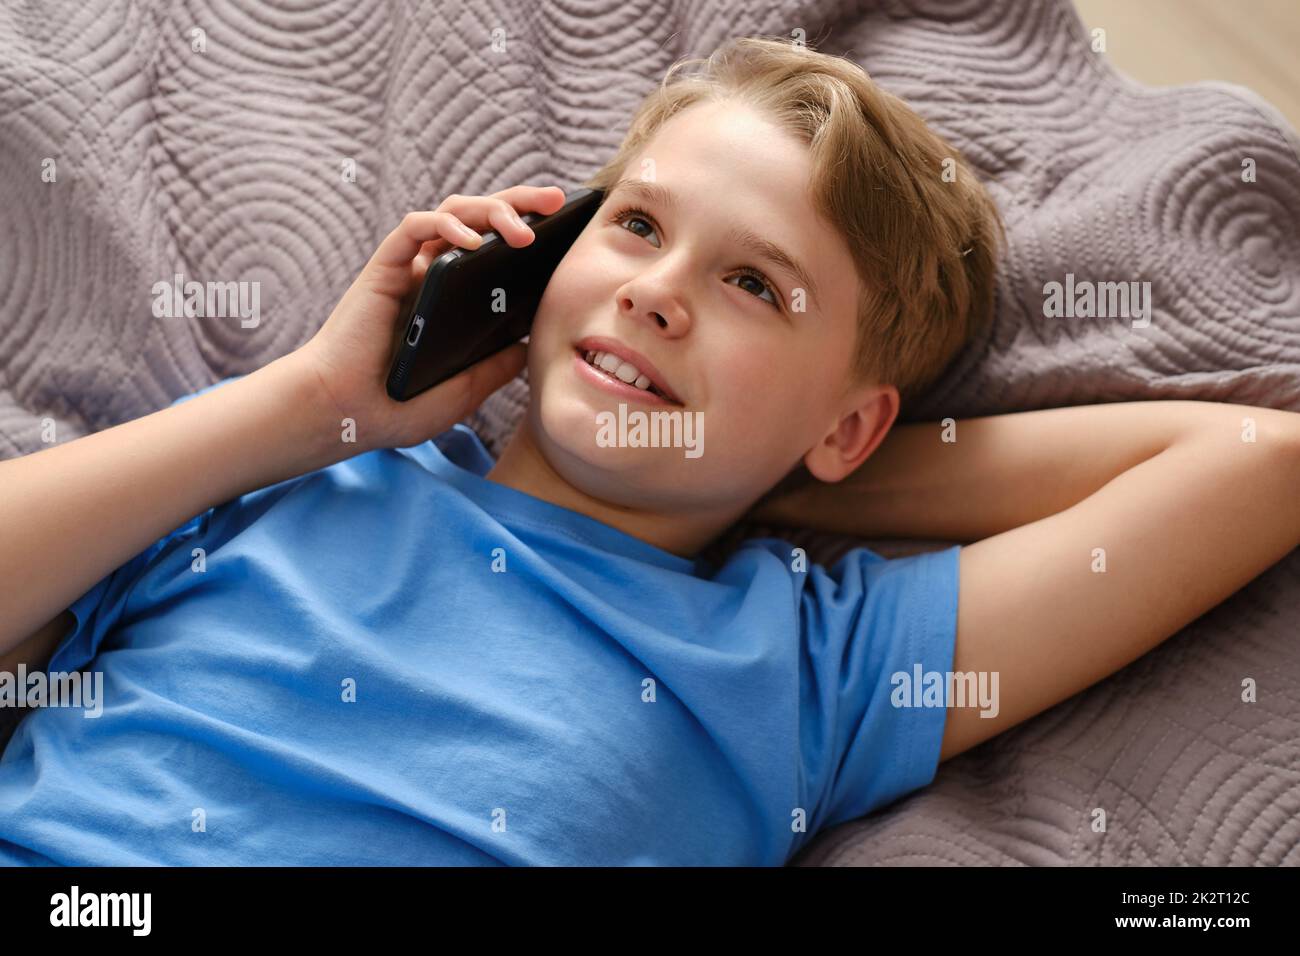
{"x": 350, "y": 355}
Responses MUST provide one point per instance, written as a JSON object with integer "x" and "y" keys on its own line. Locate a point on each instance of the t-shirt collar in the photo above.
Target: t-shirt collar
{"x": 460, "y": 457}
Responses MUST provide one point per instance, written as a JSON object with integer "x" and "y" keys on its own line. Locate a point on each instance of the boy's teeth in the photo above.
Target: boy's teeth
{"x": 624, "y": 371}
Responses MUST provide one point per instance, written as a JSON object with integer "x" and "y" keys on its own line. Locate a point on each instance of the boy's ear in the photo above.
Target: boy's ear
{"x": 856, "y": 435}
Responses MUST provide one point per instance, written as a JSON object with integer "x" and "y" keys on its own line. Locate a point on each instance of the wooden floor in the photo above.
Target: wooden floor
{"x": 1166, "y": 42}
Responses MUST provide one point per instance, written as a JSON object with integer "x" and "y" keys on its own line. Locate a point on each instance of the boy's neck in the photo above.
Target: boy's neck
{"x": 522, "y": 466}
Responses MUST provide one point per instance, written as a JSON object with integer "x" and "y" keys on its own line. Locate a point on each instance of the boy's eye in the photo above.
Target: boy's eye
{"x": 757, "y": 276}
{"x": 634, "y": 214}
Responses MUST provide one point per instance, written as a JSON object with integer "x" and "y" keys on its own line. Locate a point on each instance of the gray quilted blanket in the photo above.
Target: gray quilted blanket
{"x": 280, "y": 142}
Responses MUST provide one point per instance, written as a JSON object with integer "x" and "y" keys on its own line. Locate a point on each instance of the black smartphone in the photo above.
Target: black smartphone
{"x": 475, "y": 302}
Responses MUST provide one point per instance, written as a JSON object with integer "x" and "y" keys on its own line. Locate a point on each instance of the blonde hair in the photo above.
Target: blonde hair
{"x": 925, "y": 249}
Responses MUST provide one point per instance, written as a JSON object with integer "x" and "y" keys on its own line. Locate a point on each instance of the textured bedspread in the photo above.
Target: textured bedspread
{"x": 232, "y": 163}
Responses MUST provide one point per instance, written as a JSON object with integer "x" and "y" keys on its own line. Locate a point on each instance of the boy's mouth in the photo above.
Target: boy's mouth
{"x": 623, "y": 376}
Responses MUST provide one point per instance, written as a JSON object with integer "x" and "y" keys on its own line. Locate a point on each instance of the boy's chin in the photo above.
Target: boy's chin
{"x": 573, "y": 440}
{"x": 567, "y": 437}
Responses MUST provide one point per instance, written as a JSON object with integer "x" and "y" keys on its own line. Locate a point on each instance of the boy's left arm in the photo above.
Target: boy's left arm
{"x": 1106, "y": 565}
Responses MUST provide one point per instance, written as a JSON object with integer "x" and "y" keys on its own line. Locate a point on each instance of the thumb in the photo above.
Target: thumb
{"x": 456, "y": 398}
{"x": 495, "y": 371}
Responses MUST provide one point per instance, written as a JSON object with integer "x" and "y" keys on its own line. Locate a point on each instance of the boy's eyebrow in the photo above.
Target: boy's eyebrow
{"x": 743, "y": 236}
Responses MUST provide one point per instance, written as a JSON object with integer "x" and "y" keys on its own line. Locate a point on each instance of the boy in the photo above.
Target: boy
{"x": 366, "y": 647}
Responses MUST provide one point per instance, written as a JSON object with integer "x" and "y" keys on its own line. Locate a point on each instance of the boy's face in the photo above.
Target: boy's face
{"x": 767, "y": 383}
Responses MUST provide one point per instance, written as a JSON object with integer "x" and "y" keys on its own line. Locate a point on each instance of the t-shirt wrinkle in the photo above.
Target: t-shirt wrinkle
{"x": 325, "y": 688}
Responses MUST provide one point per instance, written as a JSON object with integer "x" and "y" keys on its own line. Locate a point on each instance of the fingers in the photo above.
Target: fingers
{"x": 458, "y": 220}
{"x": 522, "y": 199}
{"x": 505, "y": 220}
{"x": 498, "y": 213}
{"x": 543, "y": 199}
{"x": 420, "y": 264}
{"x": 415, "y": 230}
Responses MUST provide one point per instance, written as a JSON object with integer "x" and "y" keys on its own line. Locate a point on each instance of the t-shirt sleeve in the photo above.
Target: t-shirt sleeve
{"x": 868, "y": 622}
{"x": 98, "y": 610}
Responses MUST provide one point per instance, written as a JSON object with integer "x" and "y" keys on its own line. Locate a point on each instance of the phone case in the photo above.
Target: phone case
{"x": 473, "y": 303}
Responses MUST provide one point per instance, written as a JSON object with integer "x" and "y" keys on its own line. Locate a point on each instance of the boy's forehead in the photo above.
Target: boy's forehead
{"x": 753, "y": 191}
{"x": 734, "y": 143}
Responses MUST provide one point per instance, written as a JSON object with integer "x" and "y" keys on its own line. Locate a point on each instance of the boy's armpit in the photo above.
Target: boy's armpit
{"x": 35, "y": 651}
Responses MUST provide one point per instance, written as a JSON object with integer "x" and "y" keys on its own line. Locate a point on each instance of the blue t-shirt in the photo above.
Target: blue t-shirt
{"x": 397, "y": 661}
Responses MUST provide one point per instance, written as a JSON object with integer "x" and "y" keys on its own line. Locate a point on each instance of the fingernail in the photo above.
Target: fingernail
{"x": 469, "y": 234}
